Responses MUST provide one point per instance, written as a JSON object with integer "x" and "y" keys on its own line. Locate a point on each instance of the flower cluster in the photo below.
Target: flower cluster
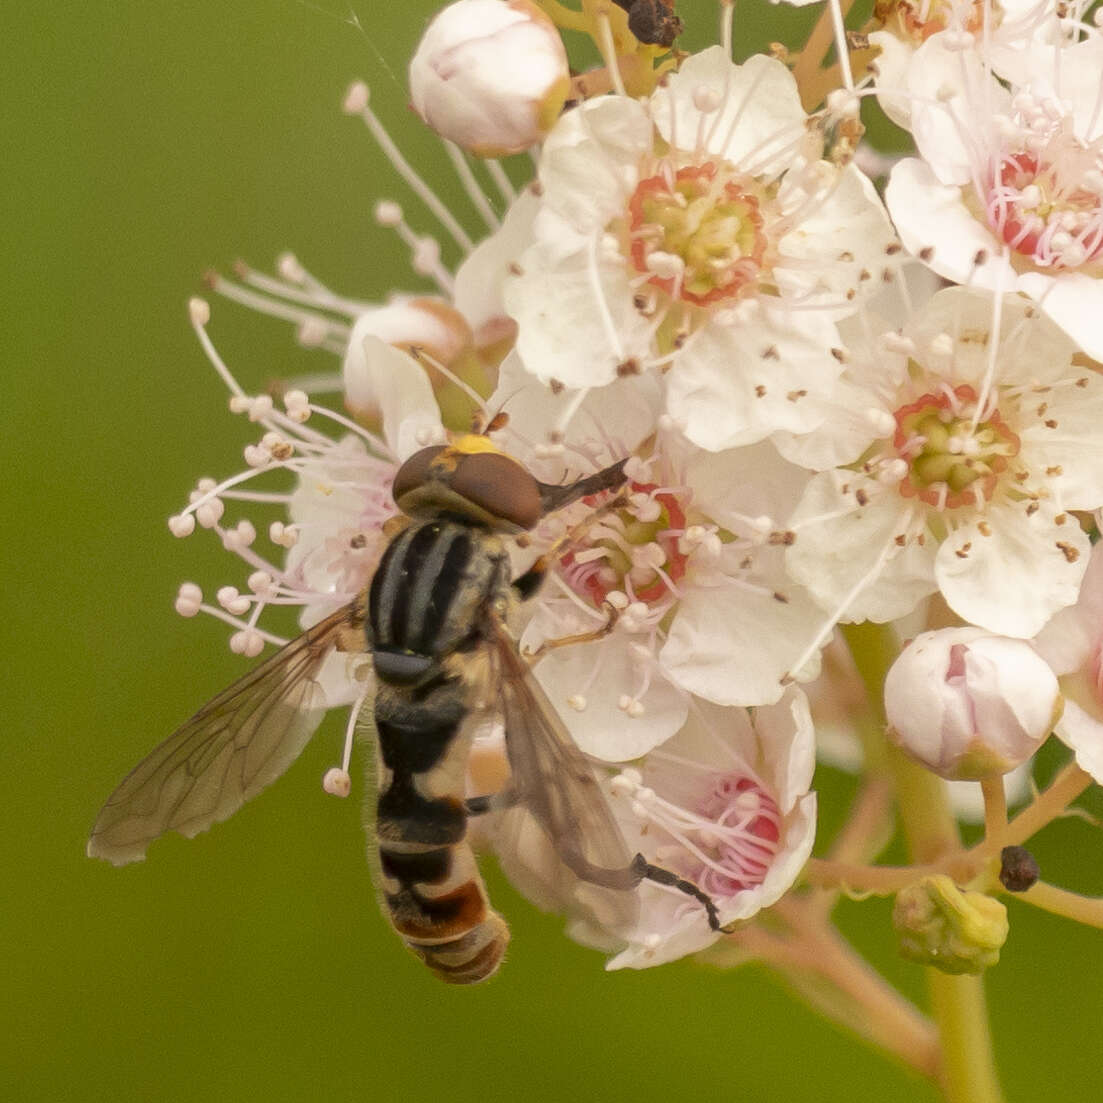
{"x": 853, "y": 405}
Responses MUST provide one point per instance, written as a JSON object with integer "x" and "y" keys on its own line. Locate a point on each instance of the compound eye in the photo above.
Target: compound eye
{"x": 415, "y": 472}
{"x": 499, "y": 486}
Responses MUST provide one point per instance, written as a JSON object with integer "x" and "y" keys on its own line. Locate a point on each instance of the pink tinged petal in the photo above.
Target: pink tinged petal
{"x": 1083, "y": 734}
{"x": 739, "y": 380}
{"x": 1066, "y": 444}
{"x": 930, "y": 215}
{"x": 800, "y": 836}
{"x": 786, "y": 730}
{"x": 758, "y": 123}
{"x": 850, "y": 222}
{"x": 377, "y": 374}
{"x": 1009, "y": 569}
{"x": 1074, "y": 301}
{"x": 733, "y": 646}
{"x": 477, "y": 294}
{"x": 565, "y": 334}
{"x": 603, "y": 729}
{"x": 685, "y": 934}
{"x": 841, "y": 545}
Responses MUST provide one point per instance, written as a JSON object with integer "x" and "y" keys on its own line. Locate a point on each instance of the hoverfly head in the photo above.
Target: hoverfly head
{"x": 473, "y": 479}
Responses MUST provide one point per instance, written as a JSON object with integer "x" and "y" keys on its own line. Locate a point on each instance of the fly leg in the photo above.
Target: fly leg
{"x": 661, "y": 876}
{"x": 629, "y": 876}
{"x": 611, "y": 614}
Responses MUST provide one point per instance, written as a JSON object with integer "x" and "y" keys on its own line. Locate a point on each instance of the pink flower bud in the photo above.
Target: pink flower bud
{"x": 490, "y": 75}
{"x": 968, "y": 704}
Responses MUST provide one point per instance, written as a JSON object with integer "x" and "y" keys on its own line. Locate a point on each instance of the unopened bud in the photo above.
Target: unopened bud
{"x": 954, "y": 931}
{"x": 490, "y": 75}
{"x": 970, "y": 705}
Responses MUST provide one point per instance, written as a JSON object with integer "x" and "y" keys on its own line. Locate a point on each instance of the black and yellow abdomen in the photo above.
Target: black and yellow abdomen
{"x": 428, "y": 604}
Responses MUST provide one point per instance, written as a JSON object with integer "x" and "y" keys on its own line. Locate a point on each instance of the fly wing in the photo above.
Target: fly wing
{"x": 229, "y": 751}
{"x": 591, "y": 874}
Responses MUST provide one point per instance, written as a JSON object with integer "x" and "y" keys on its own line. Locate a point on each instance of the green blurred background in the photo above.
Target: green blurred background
{"x": 144, "y": 142}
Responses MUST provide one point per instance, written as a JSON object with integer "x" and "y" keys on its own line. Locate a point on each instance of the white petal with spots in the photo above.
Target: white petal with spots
{"x": 740, "y": 379}
{"x": 1015, "y": 578}
{"x": 843, "y": 548}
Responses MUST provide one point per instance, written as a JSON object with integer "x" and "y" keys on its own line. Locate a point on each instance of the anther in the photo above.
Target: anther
{"x": 232, "y": 601}
{"x": 706, "y": 99}
{"x": 289, "y": 267}
{"x": 388, "y": 213}
{"x": 880, "y": 421}
{"x": 248, "y": 642}
{"x": 210, "y": 512}
{"x": 260, "y": 582}
{"x": 182, "y": 524}
{"x": 188, "y": 599}
{"x": 199, "y": 310}
{"x": 337, "y": 782}
{"x": 356, "y": 98}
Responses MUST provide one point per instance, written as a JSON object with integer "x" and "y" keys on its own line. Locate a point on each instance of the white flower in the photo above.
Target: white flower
{"x": 687, "y": 556}
{"x": 966, "y": 442}
{"x": 340, "y": 501}
{"x": 490, "y": 75}
{"x": 1008, "y": 191}
{"x": 970, "y": 705}
{"x": 698, "y": 232}
{"x": 1002, "y": 29}
{"x": 725, "y": 804}
{"x": 1072, "y": 643}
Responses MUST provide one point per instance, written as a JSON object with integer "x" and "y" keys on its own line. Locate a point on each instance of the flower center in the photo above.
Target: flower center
{"x": 636, "y": 550}
{"x": 697, "y": 234}
{"x": 950, "y": 461}
{"x": 741, "y": 839}
{"x": 1046, "y": 205}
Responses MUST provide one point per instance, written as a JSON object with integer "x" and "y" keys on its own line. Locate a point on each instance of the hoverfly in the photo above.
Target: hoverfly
{"x": 434, "y": 620}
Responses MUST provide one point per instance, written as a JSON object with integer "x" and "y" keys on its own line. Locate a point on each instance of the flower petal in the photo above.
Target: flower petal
{"x": 741, "y": 378}
{"x": 1074, "y": 301}
{"x": 844, "y": 549}
{"x": 1083, "y": 733}
{"x": 1011, "y": 568}
{"x": 759, "y": 119}
{"x": 603, "y": 729}
{"x": 734, "y": 644}
{"x": 379, "y": 374}
{"x": 933, "y": 216}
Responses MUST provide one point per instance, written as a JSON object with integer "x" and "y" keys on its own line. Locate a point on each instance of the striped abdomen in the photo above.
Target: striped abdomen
{"x": 426, "y": 603}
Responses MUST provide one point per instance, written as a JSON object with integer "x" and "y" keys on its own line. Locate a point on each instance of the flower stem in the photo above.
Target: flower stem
{"x": 830, "y": 976}
{"x": 1083, "y": 909}
{"x": 1048, "y": 805}
{"x": 968, "y": 1072}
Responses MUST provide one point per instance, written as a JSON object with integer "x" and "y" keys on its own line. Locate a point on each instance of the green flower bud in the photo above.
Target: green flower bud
{"x": 955, "y": 931}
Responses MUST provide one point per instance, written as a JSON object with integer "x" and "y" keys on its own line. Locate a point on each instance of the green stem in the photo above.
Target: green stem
{"x": 968, "y": 1071}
